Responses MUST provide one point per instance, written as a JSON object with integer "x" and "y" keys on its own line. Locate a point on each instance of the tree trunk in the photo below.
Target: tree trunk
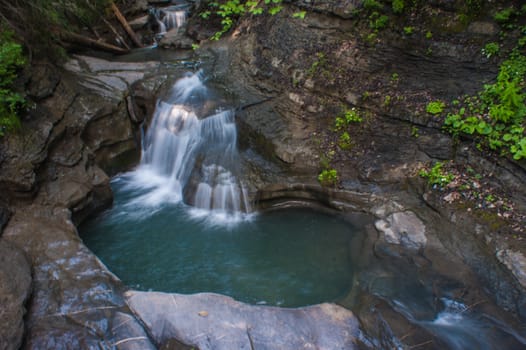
{"x": 85, "y": 41}
{"x": 125, "y": 25}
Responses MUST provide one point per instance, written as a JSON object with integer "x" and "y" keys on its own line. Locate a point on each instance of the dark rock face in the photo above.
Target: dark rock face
{"x": 212, "y": 321}
{"x": 15, "y": 288}
{"x": 76, "y": 301}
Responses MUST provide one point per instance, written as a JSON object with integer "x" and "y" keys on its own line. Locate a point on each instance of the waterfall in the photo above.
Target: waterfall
{"x": 168, "y": 19}
{"x": 189, "y": 158}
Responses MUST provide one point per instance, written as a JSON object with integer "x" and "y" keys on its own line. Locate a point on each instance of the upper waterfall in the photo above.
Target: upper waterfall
{"x": 191, "y": 158}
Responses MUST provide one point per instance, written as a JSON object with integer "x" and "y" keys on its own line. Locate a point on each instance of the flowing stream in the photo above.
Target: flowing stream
{"x": 182, "y": 222}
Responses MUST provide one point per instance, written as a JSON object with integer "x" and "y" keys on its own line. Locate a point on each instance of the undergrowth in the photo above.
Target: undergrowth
{"x": 496, "y": 116}
{"x": 11, "y": 61}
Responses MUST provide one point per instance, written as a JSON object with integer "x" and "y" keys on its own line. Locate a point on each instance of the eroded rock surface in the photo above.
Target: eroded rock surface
{"x": 15, "y": 288}
{"x": 76, "y": 303}
{"x": 404, "y": 228}
{"x": 212, "y": 321}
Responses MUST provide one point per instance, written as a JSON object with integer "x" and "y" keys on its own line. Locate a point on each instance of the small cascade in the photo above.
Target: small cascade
{"x": 167, "y": 19}
{"x": 197, "y": 158}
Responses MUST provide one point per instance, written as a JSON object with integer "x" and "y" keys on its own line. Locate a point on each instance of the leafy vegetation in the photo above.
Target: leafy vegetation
{"x": 344, "y": 141}
{"x": 398, "y": 6}
{"x": 346, "y": 118}
{"x": 230, "y": 10}
{"x": 409, "y": 30}
{"x": 504, "y": 16}
{"x": 328, "y": 177}
{"x": 319, "y": 63}
{"x": 496, "y": 116}
{"x": 491, "y": 49}
{"x": 435, "y": 107}
{"x": 437, "y": 176}
{"x": 11, "y": 60}
{"x": 299, "y": 14}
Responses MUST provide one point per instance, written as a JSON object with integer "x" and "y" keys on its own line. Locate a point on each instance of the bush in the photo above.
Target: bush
{"x": 11, "y": 60}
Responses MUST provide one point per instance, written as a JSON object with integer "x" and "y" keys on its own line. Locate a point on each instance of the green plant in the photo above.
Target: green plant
{"x": 11, "y": 61}
{"x": 377, "y": 21}
{"x": 344, "y": 141}
{"x": 435, "y": 107}
{"x": 371, "y": 37}
{"x": 398, "y": 6}
{"x": 346, "y": 117}
{"x": 328, "y": 177}
{"x": 409, "y": 30}
{"x": 320, "y": 62}
{"x": 504, "y": 16}
{"x": 387, "y": 101}
{"x": 437, "y": 175}
{"x": 491, "y": 49}
{"x": 230, "y": 10}
{"x": 299, "y": 14}
{"x": 496, "y": 116}
{"x": 414, "y": 132}
{"x": 372, "y": 5}
{"x": 395, "y": 77}
{"x": 429, "y": 35}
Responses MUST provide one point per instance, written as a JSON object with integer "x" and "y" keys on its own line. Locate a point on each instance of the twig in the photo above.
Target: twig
{"x": 421, "y": 344}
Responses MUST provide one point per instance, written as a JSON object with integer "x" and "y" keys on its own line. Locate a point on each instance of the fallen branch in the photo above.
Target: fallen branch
{"x": 85, "y": 41}
{"x": 117, "y": 35}
{"x": 125, "y": 25}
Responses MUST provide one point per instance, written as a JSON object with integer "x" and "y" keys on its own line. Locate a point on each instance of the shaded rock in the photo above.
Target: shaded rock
{"x": 344, "y": 9}
{"x": 43, "y": 82}
{"x": 76, "y": 303}
{"x": 516, "y": 262}
{"x": 15, "y": 288}
{"x": 484, "y": 28}
{"x": 212, "y": 321}
{"x": 404, "y": 228}
{"x": 5, "y": 214}
{"x": 177, "y": 39}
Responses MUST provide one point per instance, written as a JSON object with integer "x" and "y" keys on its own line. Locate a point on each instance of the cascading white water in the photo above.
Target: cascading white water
{"x": 167, "y": 19}
{"x": 190, "y": 157}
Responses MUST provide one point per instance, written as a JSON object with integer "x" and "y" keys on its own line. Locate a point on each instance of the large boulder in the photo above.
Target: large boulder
{"x": 212, "y": 321}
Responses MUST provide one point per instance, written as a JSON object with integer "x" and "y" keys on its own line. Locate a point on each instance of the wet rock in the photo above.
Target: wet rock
{"x": 516, "y": 262}
{"x": 404, "y": 228}
{"x": 212, "y": 321}
{"x": 15, "y": 288}
{"x": 177, "y": 39}
{"x": 76, "y": 303}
